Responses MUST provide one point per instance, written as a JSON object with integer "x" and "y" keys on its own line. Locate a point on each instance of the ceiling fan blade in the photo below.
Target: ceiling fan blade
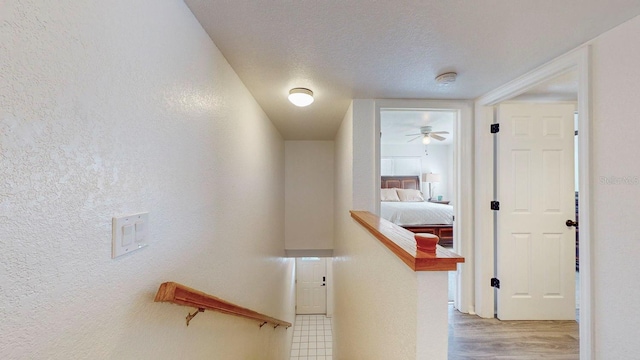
{"x": 413, "y": 134}
{"x": 417, "y": 137}
{"x": 439, "y": 132}
{"x": 437, "y": 137}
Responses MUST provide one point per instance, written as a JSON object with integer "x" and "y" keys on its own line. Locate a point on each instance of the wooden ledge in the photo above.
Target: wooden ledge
{"x": 182, "y": 295}
{"x": 402, "y": 243}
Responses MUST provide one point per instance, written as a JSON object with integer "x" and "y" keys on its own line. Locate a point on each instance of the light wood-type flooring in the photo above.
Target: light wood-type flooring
{"x": 472, "y": 337}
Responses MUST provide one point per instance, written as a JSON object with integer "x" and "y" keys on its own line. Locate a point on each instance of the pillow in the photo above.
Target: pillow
{"x": 389, "y": 195}
{"x": 410, "y": 195}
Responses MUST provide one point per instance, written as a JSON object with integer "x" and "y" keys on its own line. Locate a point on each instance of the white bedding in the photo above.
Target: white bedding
{"x": 416, "y": 213}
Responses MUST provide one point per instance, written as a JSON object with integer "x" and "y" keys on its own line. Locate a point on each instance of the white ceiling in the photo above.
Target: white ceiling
{"x": 395, "y": 125}
{"x": 391, "y": 49}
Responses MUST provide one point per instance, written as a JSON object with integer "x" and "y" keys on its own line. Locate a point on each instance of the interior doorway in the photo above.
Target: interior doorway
{"x": 458, "y": 191}
{"x": 417, "y": 155}
{"x": 420, "y": 143}
{"x": 578, "y": 62}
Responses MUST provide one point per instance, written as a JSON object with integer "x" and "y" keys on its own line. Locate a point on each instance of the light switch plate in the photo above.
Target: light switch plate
{"x": 130, "y": 233}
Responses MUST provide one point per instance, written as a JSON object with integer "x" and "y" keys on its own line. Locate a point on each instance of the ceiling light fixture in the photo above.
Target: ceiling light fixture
{"x": 447, "y": 78}
{"x": 426, "y": 140}
{"x": 301, "y": 96}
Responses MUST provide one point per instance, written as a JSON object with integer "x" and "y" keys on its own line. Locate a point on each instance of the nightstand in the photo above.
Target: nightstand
{"x": 446, "y": 202}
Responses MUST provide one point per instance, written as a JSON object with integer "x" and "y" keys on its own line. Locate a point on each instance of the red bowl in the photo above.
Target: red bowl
{"x": 426, "y": 242}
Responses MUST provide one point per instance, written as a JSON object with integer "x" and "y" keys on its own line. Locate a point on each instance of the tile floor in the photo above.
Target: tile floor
{"x": 312, "y": 338}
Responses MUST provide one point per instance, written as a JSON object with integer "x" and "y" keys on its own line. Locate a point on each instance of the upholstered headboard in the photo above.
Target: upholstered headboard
{"x": 401, "y": 182}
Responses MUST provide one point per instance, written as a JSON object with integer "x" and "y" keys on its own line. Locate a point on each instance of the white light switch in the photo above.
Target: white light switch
{"x": 140, "y": 231}
{"x": 129, "y": 233}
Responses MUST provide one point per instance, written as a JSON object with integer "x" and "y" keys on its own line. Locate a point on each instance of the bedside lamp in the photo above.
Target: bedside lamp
{"x": 431, "y": 178}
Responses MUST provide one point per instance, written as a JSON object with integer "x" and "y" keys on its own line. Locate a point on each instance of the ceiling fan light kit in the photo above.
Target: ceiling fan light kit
{"x": 447, "y": 78}
{"x": 301, "y": 97}
{"x": 427, "y": 134}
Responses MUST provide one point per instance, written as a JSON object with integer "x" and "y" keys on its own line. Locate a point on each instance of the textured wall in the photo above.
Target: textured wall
{"x": 308, "y": 195}
{"x": 616, "y": 191}
{"x": 376, "y": 299}
{"x": 365, "y": 160}
{"x": 110, "y": 108}
{"x": 369, "y": 279}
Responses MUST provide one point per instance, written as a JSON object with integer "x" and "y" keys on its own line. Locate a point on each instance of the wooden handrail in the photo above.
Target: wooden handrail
{"x": 183, "y": 295}
{"x": 402, "y": 243}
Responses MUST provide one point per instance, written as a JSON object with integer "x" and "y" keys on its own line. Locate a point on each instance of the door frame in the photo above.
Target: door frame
{"x": 577, "y": 60}
{"x": 463, "y": 184}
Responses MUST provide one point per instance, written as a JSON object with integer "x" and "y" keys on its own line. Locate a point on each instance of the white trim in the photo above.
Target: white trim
{"x": 483, "y": 231}
{"x": 531, "y": 79}
{"x": 463, "y": 183}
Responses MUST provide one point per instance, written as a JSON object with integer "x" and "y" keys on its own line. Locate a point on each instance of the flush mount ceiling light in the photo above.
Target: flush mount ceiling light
{"x": 301, "y": 96}
{"x": 447, "y": 78}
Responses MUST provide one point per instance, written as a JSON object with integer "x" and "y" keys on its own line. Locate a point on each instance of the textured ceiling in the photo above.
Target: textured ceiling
{"x": 395, "y": 125}
{"x": 391, "y": 49}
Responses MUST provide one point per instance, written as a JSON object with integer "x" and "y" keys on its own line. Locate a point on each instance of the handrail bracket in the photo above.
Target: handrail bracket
{"x": 191, "y": 316}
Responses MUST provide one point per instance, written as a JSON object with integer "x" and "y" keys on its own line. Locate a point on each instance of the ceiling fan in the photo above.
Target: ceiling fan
{"x": 426, "y": 134}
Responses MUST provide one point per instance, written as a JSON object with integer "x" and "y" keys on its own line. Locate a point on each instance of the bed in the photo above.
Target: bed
{"x": 417, "y": 216}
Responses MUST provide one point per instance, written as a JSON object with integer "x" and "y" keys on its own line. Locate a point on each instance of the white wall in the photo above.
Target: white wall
{"x": 383, "y": 309}
{"x": 369, "y": 279}
{"x": 376, "y": 299}
{"x": 110, "y": 108}
{"x": 309, "y": 195}
{"x": 616, "y": 240}
{"x": 365, "y": 178}
{"x": 438, "y": 161}
{"x": 343, "y": 193}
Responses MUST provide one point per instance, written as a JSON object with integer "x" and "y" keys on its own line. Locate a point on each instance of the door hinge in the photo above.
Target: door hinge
{"x": 495, "y": 205}
{"x": 495, "y": 128}
{"x": 495, "y": 283}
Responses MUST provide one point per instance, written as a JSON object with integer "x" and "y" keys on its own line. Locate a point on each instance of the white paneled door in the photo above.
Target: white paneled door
{"x": 535, "y": 247}
{"x": 311, "y": 289}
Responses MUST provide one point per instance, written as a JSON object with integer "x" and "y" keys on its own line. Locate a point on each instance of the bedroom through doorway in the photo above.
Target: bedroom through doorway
{"x": 417, "y": 169}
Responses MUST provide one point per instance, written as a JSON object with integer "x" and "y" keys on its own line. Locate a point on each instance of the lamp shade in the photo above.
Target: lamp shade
{"x": 426, "y": 140}
{"x": 431, "y": 178}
